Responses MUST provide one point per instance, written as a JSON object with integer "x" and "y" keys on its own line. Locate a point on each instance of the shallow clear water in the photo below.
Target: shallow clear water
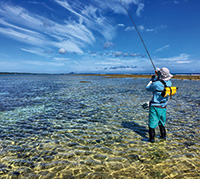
{"x": 61, "y": 126}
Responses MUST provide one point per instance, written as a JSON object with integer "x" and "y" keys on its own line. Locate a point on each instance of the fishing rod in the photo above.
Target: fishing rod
{"x": 139, "y": 35}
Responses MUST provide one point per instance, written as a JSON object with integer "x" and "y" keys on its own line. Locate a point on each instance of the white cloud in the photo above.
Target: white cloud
{"x": 176, "y": 2}
{"x": 130, "y": 28}
{"x": 61, "y": 59}
{"x": 181, "y": 59}
{"x": 108, "y": 45}
{"x": 139, "y": 9}
{"x": 3, "y": 22}
{"x": 113, "y": 5}
{"x": 66, "y": 5}
{"x": 56, "y": 64}
{"x": 125, "y": 54}
{"x": 107, "y": 63}
{"x": 141, "y": 28}
{"x": 150, "y": 30}
{"x": 36, "y": 51}
{"x": 22, "y": 25}
{"x": 117, "y": 54}
{"x": 71, "y": 35}
{"x": 117, "y": 7}
{"x": 162, "y": 48}
{"x": 62, "y": 51}
{"x": 33, "y": 29}
{"x": 37, "y": 63}
{"x": 68, "y": 46}
{"x": 20, "y": 15}
{"x": 135, "y": 54}
{"x": 26, "y": 37}
{"x": 93, "y": 18}
{"x": 120, "y": 67}
{"x": 40, "y": 63}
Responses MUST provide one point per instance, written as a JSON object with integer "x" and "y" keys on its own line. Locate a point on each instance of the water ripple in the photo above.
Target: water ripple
{"x": 57, "y": 126}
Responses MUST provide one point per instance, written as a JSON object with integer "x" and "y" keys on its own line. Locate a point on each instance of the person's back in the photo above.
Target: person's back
{"x": 157, "y": 87}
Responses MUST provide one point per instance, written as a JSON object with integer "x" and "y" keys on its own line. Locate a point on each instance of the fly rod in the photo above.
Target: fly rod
{"x": 139, "y": 35}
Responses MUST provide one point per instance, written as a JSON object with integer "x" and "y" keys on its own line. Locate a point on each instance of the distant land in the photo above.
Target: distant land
{"x": 176, "y": 76}
{"x": 21, "y": 73}
{"x": 188, "y": 76}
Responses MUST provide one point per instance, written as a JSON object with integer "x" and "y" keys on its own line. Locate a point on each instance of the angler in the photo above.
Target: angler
{"x": 160, "y": 85}
{"x": 158, "y": 103}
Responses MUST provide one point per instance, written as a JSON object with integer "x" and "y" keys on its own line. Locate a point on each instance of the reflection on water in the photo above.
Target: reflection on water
{"x": 59, "y": 126}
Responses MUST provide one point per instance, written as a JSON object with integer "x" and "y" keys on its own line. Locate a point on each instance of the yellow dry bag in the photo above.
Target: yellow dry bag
{"x": 168, "y": 91}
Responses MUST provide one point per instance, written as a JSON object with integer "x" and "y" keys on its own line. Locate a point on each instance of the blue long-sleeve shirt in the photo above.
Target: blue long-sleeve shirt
{"x": 156, "y": 87}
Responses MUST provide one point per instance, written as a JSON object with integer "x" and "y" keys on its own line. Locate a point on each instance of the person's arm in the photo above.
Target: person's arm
{"x": 150, "y": 86}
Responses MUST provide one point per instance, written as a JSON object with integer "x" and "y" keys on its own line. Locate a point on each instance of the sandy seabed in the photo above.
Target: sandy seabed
{"x": 62, "y": 126}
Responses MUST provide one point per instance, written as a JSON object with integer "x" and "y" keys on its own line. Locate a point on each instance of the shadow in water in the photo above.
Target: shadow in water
{"x": 141, "y": 130}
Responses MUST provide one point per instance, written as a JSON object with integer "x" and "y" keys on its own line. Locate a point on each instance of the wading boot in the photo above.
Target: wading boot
{"x": 162, "y": 132}
{"x": 151, "y": 134}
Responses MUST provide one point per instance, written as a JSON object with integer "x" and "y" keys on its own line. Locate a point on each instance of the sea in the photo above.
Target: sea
{"x": 73, "y": 126}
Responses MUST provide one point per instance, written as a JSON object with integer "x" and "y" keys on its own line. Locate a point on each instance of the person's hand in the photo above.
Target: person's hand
{"x": 153, "y": 78}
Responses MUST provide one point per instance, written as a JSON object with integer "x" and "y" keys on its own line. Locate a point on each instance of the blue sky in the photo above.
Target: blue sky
{"x": 97, "y": 36}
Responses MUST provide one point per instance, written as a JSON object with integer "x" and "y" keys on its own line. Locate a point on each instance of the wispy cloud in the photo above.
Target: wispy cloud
{"x": 40, "y": 63}
{"x": 162, "y": 48}
{"x": 61, "y": 59}
{"x": 120, "y": 25}
{"x": 37, "y": 33}
{"x": 36, "y": 51}
{"x": 117, "y": 54}
{"x": 22, "y": 25}
{"x": 120, "y": 67}
{"x": 92, "y": 16}
{"x": 116, "y": 6}
{"x": 108, "y": 45}
{"x": 113, "y": 54}
{"x": 142, "y": 28}
{"x": 135, "y": 54}
{"x": 176, "y": 2}
{"x": 73, "y": 35}
{"x": 37, "y": 63}
{"x": 129, "y": 28}
{"x": 139, "y": 9}
{"x": 66, "y": 5}
{"x": 181, "y": 59}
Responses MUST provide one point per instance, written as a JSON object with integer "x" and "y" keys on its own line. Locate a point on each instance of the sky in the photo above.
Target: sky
{"x": 97, "y": 36}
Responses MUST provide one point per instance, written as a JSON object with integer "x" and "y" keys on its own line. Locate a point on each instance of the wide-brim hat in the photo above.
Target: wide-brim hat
{"x": 164, "y": 73}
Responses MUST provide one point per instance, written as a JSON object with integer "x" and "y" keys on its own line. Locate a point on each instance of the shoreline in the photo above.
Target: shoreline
{"x": 176, "y": 76}
{"x": 180, "y": 77}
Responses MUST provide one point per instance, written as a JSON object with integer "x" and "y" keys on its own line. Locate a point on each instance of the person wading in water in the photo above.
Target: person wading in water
{"x": 158, "y": 103}
{"x": 159, "y": 82}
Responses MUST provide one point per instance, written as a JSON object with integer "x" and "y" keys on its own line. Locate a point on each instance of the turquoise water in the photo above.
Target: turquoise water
{"x": 62, "y": 126}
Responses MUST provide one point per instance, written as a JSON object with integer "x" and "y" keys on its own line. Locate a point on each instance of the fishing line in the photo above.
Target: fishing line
{"x": 139, "y": 35}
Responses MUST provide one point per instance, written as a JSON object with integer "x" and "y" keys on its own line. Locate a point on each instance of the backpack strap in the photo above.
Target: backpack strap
{"x": 163, "y": 82}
